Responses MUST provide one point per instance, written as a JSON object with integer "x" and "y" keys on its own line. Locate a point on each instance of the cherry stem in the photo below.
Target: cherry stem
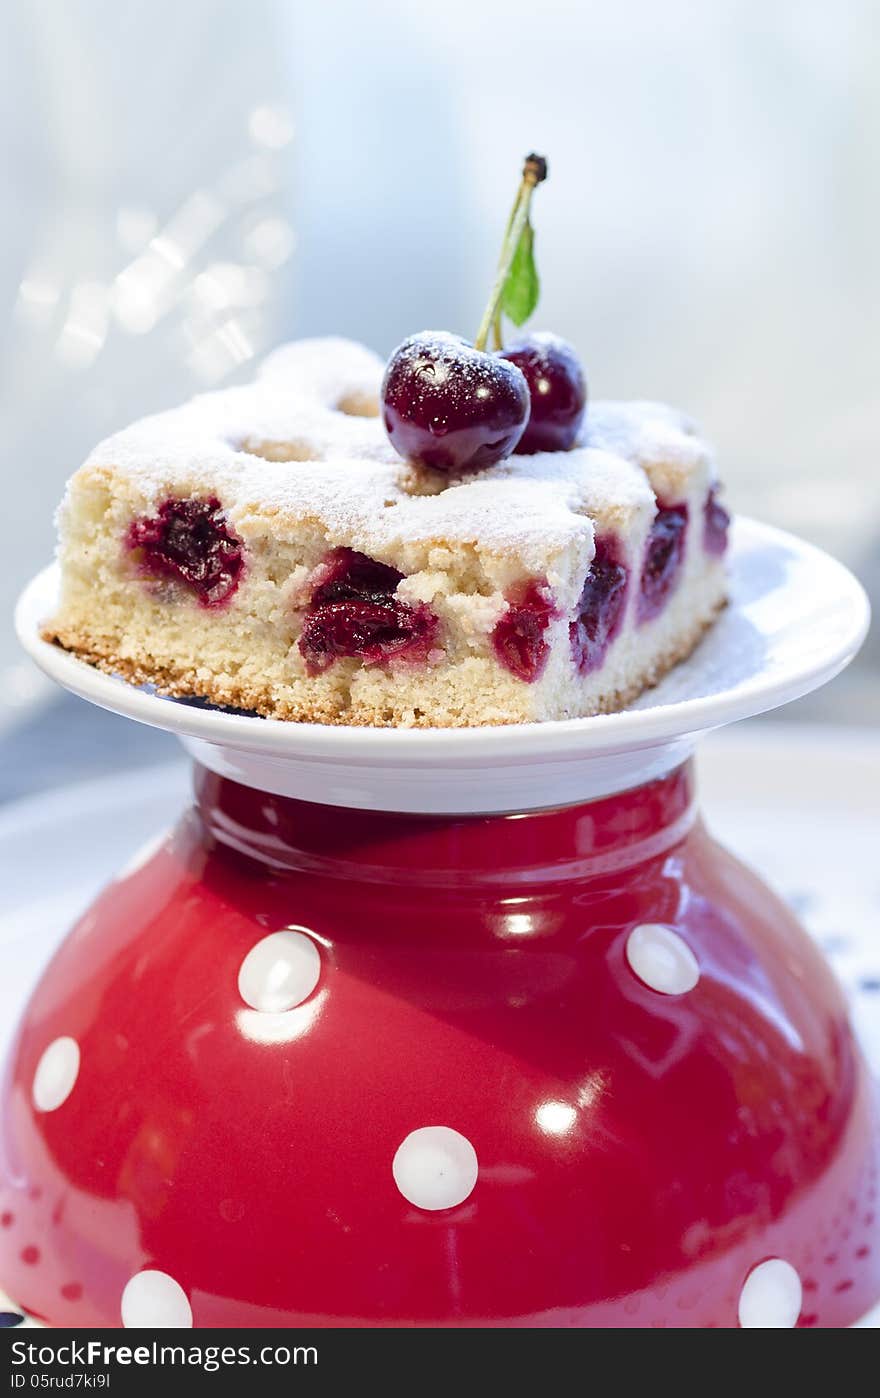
{"x": 534, "y": 171}
{"x": 497, "y": 338}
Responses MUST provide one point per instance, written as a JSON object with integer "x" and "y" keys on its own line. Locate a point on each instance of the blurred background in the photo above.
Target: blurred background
{"x": 185, "y": 185}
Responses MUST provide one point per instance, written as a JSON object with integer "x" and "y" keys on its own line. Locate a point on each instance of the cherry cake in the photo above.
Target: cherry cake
{"x": 266, "y": 548}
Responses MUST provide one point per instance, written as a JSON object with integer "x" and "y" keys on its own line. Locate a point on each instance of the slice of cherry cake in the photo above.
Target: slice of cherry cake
{"x": 264, "y": 547}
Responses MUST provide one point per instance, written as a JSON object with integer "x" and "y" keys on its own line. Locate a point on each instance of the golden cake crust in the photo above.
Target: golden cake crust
{"x": 175, "y": 681}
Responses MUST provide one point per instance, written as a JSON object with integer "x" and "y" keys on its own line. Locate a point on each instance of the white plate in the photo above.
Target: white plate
{"x": 796, "y": 618}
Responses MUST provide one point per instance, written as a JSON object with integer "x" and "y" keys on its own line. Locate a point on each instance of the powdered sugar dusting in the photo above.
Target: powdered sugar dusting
{"x": 328, "y": 371}
{"x": 345, "y": 476}
{"x": 454, "y": 361}
{"x": 646, "y": 432}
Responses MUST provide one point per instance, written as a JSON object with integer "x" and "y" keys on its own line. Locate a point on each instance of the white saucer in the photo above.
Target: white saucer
{"x": 796, "y": 618}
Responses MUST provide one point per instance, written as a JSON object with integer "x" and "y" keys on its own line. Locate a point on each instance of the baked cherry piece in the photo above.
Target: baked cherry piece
{"x": 518, "y": 637}
{"x": 354, "y": 612}
{"x": 664, "y": 555}
{"x": 450, "y": 406}
{"x": 716, "y": 523}
{"x": 190, "y": 541}
{"x": 557, "y": 390}
{"x": 347, "y": 576}
{"x": 601, "y": 607}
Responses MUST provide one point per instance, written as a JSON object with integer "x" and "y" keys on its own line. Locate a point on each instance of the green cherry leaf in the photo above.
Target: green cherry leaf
{"x": 521, "y": 290}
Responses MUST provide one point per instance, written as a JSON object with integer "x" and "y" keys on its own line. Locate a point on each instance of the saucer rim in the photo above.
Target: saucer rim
{"x": 764, "y": 689}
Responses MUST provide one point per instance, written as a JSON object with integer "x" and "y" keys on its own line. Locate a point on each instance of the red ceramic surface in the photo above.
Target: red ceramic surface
{"x": 628, "y": 1157}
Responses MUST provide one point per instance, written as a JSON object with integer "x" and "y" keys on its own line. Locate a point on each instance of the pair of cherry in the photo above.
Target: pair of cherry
{"x": 448, "y": 405}
{"x": 453, "y": 406}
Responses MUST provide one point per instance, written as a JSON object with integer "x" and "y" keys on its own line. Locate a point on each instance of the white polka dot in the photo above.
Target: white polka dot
{"x": 56, "y": 1074}
{"x": 435, "y": 1167}
{"x": 771, "y": 1298}
{"x": 153, "y": 1300}
{"x": 279, "y": 972}
{"x": 662, "y": 959}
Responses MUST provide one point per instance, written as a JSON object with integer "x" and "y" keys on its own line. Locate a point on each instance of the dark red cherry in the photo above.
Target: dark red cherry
{"x": 716, "y": 523}
{"x": 346, "y": 576}
{"x": 557, "y": 389}
{"x": 450, "y": 406}
{"x": 664, "y": 556}
{"x": 354, "y": 612}
{"x": 190, "y": 541}
{"x": 519, "y": 636}
{"x": 601, "y": 607}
